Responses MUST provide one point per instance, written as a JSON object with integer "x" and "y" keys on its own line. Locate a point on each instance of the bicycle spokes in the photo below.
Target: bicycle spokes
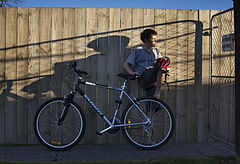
{"x": 158, "y": 124}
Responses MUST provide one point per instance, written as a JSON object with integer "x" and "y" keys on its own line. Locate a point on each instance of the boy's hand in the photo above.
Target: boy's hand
{"x": 135, "y": 74}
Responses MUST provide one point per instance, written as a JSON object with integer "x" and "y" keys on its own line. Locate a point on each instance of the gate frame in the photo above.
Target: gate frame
{"x": 211, "y": 85}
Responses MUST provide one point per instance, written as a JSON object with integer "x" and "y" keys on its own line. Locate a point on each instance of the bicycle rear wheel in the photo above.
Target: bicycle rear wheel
{"x": 153, "y": 134}
{"x": 59, "y": 136}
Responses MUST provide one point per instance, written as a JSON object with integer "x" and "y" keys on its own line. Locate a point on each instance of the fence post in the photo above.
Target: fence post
{"x": 237, "y": 75}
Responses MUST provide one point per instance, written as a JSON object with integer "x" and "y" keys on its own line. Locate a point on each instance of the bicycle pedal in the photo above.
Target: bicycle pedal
{"x": 98, "y": 133}
{"x": 118, "y": 101}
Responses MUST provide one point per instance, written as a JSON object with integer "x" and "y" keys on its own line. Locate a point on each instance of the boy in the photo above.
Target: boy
{"x": 142, "y": 59}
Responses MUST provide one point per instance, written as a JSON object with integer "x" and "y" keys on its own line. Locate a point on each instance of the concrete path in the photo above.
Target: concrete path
{"x": 113, "y": 152}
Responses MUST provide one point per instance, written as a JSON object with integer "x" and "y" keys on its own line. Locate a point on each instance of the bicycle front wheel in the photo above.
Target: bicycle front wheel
{"x": 149, "y": 126}
{"x": 59, "y": 136}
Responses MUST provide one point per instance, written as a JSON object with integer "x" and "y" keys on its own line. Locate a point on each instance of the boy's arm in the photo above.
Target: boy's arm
{"x": 128, "y": 69}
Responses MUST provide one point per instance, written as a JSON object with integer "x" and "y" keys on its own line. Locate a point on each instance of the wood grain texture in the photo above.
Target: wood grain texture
{"x": 37, "y": 43}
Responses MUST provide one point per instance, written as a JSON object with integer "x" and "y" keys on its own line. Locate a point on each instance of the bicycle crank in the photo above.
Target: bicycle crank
{"x": 113, "y": 130}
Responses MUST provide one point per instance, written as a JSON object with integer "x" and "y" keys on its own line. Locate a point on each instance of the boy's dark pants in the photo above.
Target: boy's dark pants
{"x": 147, "y": 80}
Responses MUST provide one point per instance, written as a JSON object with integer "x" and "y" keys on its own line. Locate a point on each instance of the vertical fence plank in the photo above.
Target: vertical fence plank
{"x": 148, "y": 22}
{"x": 125, "y": 47}
{"x": 181, "y": 101}
{"x": 138, "y": 21}
{"x": 171, "y": 49}
{"x": 68, "y": 34}
{"x": 160, "y": 18}
{"x": 2, "y": 74}
{"x": 22, "y": 73}
{"x": 68, "y": 48}
{"x": 80, "y": 52}
{"x": 191, "y": 87}
{"x": 102, "y": 66}
{"x": 11, "y": 76}
{"x": 126, "y": 34}
{"x": 80, "y": 33}
{"x": 149, "y": 16}
{"x": 68, "y": 52}
{"x": 91, "y": 63}
{"x": 80, "y": 41}
{"x": 45, "y": 54}
{"x": 204, "y": 17}
{"x": 57, "y": 51}
{"x": 33, "y": 70}
{"x": 114, "y": 63}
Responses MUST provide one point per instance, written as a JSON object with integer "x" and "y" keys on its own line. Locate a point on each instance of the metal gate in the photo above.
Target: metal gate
{"x": 222, "y": 97}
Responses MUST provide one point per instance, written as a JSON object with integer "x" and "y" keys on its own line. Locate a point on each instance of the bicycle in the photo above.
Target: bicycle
{"x": 146, "y": 122}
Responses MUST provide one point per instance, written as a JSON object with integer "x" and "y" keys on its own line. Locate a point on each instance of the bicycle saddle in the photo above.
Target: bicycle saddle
{"x": 127, "y": 76}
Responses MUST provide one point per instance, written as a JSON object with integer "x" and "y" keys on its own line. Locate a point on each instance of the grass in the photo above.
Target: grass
{"x": 168, "y": 160}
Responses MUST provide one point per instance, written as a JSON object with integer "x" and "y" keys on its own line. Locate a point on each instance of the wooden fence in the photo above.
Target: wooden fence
{"x": 36, "y": 44}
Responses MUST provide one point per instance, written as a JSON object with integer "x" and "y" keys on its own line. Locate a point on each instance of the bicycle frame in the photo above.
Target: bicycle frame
{"x": 122, "y": 92}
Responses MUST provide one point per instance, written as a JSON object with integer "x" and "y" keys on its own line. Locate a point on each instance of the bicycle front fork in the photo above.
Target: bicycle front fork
{"x": 66, "y": 103}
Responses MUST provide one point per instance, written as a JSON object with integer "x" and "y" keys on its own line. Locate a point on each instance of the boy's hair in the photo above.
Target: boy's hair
{"x": 148, "y": 33}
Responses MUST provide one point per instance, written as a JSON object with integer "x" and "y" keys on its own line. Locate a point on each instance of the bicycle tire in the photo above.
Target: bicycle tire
{"x": 153, "y": 135}
{"x": 54, "y": 136}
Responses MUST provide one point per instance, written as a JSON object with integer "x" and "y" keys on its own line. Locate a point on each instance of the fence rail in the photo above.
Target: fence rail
{"x": 36, "y": 44}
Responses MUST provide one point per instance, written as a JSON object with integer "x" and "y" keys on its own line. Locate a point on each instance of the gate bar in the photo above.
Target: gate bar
{"x": 237, "y": 74}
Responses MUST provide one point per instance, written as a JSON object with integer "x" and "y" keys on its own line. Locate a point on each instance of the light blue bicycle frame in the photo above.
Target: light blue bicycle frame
{"x": 123, "y": 92}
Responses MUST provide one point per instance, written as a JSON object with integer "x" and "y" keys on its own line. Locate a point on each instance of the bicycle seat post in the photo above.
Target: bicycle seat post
{"x": 124, "y": 84}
